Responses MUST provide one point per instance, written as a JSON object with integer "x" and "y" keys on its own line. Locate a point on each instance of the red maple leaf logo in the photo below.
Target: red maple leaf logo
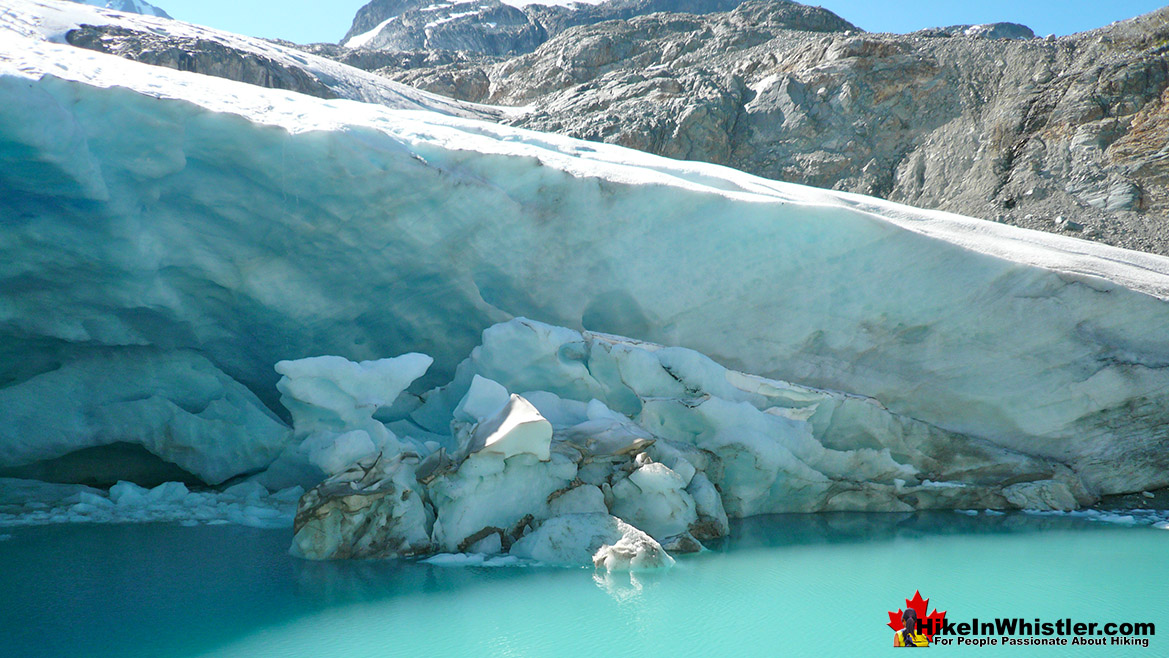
{"x": 919, "y": 606}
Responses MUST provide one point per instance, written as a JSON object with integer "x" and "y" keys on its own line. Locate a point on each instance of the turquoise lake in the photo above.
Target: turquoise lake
{"x": 781, "y": 585}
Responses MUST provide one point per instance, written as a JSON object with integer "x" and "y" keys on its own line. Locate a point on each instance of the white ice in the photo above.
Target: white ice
{"x": 516, "y": 429}
{"x": 177, "y": 405}
{"x": 592, "y": 539}
{"x": 333, "y": 401}
{"x": 251, "y": 225}
{"x": 28, "y": 502}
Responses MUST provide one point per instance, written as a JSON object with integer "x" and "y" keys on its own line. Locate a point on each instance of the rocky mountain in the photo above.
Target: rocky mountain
{"x": 1061, "y": 134}
{"x": 513, "y": 27}
{"x": 193, "y": 48}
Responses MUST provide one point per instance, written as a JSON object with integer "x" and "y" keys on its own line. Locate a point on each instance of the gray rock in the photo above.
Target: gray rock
{"x": 204, "y": 56}
{"x": 984, "y": 31}
{"x": 492, "y": 28}
{"x": 988, "y": 127}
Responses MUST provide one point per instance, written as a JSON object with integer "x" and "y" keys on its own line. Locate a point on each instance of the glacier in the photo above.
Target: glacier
{"x": 729, "y": 345}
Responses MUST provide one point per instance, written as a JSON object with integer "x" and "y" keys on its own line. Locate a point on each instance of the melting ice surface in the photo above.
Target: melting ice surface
{"x": 790, "y": 584}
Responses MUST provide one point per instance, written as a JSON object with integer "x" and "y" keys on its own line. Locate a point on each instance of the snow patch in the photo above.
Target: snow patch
{"x": 360, "y": 40}
{"x": 552, "y": 3}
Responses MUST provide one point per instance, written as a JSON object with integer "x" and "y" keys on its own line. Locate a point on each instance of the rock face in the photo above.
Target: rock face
{"x": 514, "y": 27}
{"x": 206, "y": 56}
{"x": 192, "y": 48}
{"x": 984, "y": 31}
{"x": 1065, "y": 135}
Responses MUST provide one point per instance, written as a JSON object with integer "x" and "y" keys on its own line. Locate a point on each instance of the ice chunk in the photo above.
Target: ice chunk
{"x": 493, "y": 493}
{"x": 249, "y": 490}
{"x": 583, "y": 499}
{"x": 559, "y": 411}
{"x": 336, "y": 394}
{"x": 374, "y": 509}
{"x": 683, "y": 543}
{"x": 654, "y": 499}
{"x": 598, "y": 539}
{"x": 176, "y": 405}
{"x": 333, "y": 401}
{"x": 473, "y": 560}
{"x": 42, "y": 503}
{"x": 712, "y": 520}
{"x": 333, "y": 453}
{"x": 606, "y": 432}
{"x": 517, "y": 428}
{"x": 483, "y": 400}
{"x": 492, "y": 544}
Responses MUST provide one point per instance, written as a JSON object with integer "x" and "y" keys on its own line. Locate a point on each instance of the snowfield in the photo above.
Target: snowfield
{"x": 158, "y": 222}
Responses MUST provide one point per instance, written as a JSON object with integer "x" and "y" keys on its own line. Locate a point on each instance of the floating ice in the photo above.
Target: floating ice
{"x": 1144, "y": 517}
{"x": 27, "y": 502}
{"x": 592, "y": 539}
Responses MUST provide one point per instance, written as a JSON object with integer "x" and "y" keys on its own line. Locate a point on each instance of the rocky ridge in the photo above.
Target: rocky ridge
{"x": 491, "y": 27}
{"x": 1066, "y": 134}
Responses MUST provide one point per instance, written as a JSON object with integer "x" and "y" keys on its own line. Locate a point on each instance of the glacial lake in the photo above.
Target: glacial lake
{"x": 781, "y": 585}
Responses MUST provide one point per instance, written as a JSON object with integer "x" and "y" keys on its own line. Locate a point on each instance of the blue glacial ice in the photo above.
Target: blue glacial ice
{"x": 774, "y": 347}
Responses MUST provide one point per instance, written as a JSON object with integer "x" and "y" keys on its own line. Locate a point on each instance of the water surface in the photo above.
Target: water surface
{"x": 790, "y": 584}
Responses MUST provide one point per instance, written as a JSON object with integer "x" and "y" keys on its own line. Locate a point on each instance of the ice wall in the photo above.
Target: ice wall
{"x": 149, "y": 207}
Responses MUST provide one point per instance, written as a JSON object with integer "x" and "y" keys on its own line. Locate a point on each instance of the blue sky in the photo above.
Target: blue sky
{"x": 317, "y": 20}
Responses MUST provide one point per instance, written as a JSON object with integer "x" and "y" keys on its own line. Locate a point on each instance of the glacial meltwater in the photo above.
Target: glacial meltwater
{"x": 780, "y": 585}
